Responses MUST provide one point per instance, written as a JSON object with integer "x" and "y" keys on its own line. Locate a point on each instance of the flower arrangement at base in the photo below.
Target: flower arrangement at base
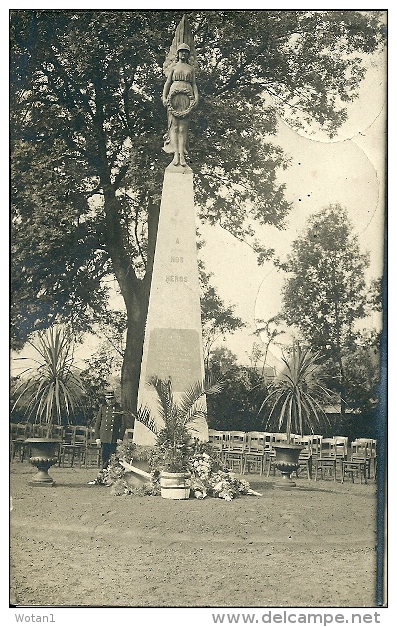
{"x": 175, "y": 442}
{"x": 114, "y": 475}
{"x": 225, "y": 485}
{"x": 210, "y": 478}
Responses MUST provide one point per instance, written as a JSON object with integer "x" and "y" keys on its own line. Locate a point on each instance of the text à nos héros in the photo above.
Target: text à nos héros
{"x": 171, "y": 278}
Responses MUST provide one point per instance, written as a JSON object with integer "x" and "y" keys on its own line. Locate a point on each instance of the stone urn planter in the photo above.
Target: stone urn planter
{"x": 175, "y": 485}
{"x": 287, "y": 461}
{"x": 43, "y": 455}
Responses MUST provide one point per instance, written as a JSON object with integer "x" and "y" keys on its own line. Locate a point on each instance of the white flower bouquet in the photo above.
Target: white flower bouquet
{"x": 209, "y": 479}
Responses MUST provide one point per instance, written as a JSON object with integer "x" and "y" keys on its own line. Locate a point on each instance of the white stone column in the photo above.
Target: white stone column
{"x": 173, "y": 341}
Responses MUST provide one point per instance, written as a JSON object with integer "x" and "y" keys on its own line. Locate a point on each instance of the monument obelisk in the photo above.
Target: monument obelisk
{"x": 173, "y": 341}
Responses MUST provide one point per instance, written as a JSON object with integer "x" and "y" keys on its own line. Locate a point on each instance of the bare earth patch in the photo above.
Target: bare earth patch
{"x": 78, "y": 545}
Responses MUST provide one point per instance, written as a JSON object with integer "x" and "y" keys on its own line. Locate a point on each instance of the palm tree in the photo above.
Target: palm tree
{"x": 174, "y": 437}
{"x": 295, "y": 396}
{"x": 52, "y": 388}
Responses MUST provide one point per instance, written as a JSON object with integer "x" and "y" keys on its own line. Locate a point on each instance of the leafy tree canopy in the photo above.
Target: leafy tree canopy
{"x": 87, "y": 122}
{"x": 235, "y": 407}
{"x": 325, "y": 292}
{"x": 324, "y": 296}
{"x": 221, "y": 360}
{"x": 217, "y": 318}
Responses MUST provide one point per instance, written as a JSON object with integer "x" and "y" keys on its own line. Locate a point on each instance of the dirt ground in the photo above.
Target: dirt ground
{"x": 78, "y": 545}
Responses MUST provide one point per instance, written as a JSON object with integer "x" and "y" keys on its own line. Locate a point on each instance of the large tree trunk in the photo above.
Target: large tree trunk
{"x": 135, "y": 293}
{"x": 131, "y": 368}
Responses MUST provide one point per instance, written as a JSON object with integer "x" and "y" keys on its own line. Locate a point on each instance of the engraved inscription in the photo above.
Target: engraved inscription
{"x": 176, "y": 279}
{"x": 176, "y": 259}
{"x": 175, "y": 353}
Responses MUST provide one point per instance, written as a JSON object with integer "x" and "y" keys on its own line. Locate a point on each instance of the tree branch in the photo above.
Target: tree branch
{"x": 70, "y": 85}
{"x": 233, "y": 80}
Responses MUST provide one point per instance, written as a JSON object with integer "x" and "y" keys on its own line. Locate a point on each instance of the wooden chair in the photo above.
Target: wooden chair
{"x": 92, "y": 454}
{"x": 279, "y": 438}
{"x": 234, "y": 454}
{"x": 18, "y": 434}
{"x": 38, "y": 431}
{"x": 316, "y": 445}
{"x": 374, "y": 456}
{"x": 328, "y": 447}
{"x": 358, "y": 465}
{"x": 57, "y": 432}
{"x": 361, "y": 455}
{"x": 270, "y": 462}
{"x": 217, "y": 440}
{"x": 254, "y": 454}
{"x": 269, "y": 439}
{"x": 358, "y": 447}
{"x": 66, "y": 452}
{"x": 323, "y": 465}
{"x": 341, "y": 443}
{"x": 326, "y": 462}
{"x": 270, "y": 457}
{"x": 306, "y": 457}
{"x": 80, "y": 444}
{"x": 353, "y": 468}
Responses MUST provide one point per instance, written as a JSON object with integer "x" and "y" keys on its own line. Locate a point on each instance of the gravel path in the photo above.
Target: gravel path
{"x": 78, "y": 545}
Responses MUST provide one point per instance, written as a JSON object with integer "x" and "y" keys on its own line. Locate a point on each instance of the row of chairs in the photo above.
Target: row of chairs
{"x": 23, "y": 430}
{"x": 20, "y": 431}
{"x": 253, "y": 451}
{"x": 79, "y": 446}
{"x": 360, "y": 459}
{"x": 244, "y": 452}
{"x": 76, "y": 443}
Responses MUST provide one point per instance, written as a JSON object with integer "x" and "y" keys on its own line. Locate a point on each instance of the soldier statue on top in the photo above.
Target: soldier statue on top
{"x": 180, "y": 94}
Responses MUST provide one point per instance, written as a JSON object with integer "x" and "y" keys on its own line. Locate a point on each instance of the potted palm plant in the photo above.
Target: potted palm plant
{"x": 175, "y": 438}
{"x": 293, "y": 403}
{"x": 49, "y": 391}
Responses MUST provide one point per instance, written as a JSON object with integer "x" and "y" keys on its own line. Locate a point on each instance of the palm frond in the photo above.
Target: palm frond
{"x": 294, "y": 397}
{"x": 189, "y": 397}
{"x": 165, "y": 397}
{"x": 54, "y": 388}
{"x": 145, "y": 417}
{"x": 213, "y": 384}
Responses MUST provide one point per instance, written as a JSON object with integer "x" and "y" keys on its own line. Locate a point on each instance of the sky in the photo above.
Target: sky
{"x": 348, "y": 170}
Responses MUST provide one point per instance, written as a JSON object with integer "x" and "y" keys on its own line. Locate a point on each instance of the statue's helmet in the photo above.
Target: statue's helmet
{"x": 183, "y": 47}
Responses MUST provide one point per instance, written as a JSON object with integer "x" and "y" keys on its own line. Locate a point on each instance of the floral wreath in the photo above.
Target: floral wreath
{"x": 192, "y": 102}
